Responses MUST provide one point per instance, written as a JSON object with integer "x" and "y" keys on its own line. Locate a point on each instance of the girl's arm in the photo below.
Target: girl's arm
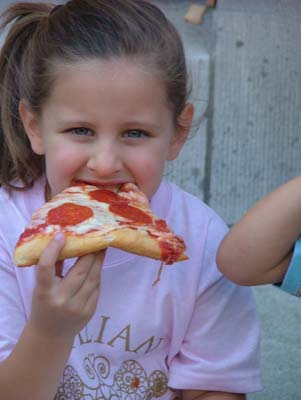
{"x": 60, "y": 309}
{"x": 258, "y": 248}
{"x": 34, "y": 368}
{"x": 205, "y": 395}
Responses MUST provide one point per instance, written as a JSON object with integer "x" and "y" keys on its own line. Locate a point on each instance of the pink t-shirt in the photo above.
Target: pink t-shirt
{"x": 193, "y": 330}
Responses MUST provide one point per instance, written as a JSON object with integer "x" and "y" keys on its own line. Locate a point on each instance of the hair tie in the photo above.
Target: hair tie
{"x": 55, "y": 8}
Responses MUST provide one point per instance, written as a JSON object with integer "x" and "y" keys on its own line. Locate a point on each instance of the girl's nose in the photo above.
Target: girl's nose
{"x": 104, "y": 160}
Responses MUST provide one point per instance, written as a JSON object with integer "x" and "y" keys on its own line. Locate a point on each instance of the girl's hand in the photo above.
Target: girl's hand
{"x": 62, "y": 307}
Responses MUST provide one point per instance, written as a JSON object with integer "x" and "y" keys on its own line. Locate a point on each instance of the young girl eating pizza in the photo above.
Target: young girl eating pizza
{"x": 96, "y": 91}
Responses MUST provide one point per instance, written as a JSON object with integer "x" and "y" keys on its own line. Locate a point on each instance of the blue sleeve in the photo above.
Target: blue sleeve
{"x": 292, "y": 280}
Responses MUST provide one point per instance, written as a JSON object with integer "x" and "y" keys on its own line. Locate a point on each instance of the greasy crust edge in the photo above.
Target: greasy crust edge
{"x": 131, "y": 240}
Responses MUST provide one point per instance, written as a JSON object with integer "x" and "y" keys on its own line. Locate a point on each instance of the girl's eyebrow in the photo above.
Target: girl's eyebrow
{"x": 72, "y": 121}
{"x": 142, "y": 124}
{"x": 126, "y": 126}
{"x": 81, "y": 120}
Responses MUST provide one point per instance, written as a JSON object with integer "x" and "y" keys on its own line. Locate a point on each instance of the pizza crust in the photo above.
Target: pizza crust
{"x": 139, "y": 242}
{"x": 132, "y": 240}
{"x": 29, "y": 252}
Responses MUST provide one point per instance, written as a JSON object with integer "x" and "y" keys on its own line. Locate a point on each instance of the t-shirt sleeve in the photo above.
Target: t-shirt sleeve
{"x": 12, "y": 314}
{"x": 220, "y": 349}
{"x": 292, "y": 280}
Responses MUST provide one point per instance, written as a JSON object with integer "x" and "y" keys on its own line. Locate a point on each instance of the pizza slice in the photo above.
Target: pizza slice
{"x": 93, "y": 218}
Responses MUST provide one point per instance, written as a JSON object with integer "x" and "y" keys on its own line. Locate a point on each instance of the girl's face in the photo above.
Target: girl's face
{"x": 106, "y": 122}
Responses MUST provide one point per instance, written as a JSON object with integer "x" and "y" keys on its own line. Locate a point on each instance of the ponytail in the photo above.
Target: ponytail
{"x": 17, "y": 160}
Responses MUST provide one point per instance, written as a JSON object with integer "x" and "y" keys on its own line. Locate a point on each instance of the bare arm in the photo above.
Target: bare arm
{"x": 258, "y": 248}
{"x": 34, "y": 368}
{"x": 60, "y": 309}
{"x": 205, "y": 395}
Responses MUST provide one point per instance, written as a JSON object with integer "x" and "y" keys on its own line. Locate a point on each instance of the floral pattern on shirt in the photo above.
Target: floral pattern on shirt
{"x": 130, "y": 382}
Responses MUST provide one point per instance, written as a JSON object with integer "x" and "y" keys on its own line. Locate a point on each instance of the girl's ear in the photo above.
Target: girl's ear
{"x": 179, "y": 139}
{"x": 31, "y": 126}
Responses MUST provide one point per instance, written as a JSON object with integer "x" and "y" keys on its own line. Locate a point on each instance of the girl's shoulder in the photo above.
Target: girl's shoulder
{"x": 17, "y": 206}
{"x": 172, "y": 202}
{"x": 37, "y": 188}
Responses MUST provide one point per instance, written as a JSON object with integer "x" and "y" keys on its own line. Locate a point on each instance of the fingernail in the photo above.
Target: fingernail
{"x": 59, "y": 236}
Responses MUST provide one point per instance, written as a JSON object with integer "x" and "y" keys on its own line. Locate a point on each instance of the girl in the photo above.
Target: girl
{"x": 266, "y": 239}
{"x": 95, "y": 90}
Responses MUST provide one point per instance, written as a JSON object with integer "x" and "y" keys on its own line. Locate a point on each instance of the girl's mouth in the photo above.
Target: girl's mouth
{"x": 115, "y": 183}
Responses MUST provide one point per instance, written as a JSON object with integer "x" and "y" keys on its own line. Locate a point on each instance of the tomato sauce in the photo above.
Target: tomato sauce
{"x": 31, "y": 231}
{"x": 170, "y": 250}
{"x": 161, "y": 225}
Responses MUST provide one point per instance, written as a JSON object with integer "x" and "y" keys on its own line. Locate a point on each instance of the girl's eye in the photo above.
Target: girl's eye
{"x": 135, "y": 134}
{"x": 81, "y": 131}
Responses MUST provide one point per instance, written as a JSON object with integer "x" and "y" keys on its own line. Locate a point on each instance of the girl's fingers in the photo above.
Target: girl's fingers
{"x": 78, "y": 274}
{"x": 91, "y": 303}
{"x": 46, "y": 266}
{"x": 59, "y": 269}
{"x": 85, "y": 300}
{"x": 92, "y": 282}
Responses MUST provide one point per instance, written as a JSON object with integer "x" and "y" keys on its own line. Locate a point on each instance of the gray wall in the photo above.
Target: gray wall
{"x": 245, "y": 65}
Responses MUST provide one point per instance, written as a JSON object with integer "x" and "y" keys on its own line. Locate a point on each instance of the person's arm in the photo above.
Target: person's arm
{"x": 34, "y": 368}
{"x": 258, "y": 248}
{"x": 206, "y": 395}
{"x": 60, "y": 309}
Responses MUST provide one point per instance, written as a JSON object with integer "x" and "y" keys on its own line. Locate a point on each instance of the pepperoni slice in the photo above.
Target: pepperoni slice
{"x": 130, "y": 213}
{"x": 69, "y": 214}
{"x": 104, "y": 196}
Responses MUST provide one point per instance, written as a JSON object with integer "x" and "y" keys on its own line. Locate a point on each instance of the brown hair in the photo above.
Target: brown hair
{"x": 42, "y": 35}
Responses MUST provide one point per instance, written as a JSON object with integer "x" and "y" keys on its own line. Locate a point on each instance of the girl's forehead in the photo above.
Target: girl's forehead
{"x": 95, "y": 85}
{"x": 110, "y": 66}
{"x": 115, "y": 74}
